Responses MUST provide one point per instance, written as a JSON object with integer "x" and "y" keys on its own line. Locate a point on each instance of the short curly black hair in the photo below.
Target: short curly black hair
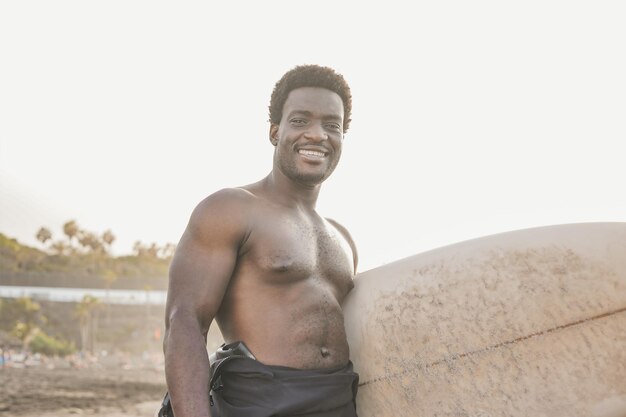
{"x": 310, "y": 76}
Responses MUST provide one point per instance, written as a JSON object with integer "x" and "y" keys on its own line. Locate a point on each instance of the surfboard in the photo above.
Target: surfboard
{"x": 524, "y": 323}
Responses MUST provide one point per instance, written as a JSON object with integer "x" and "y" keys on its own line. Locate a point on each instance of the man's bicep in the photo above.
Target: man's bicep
{"x": 198, "y": 279}
{"x": 205, "y": 260}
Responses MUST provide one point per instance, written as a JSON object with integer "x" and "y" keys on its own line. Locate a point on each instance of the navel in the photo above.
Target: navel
{"x": 325, "y": 352}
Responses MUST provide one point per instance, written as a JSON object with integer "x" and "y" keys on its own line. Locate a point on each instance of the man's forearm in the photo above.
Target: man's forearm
{"x": 187, "y": 368}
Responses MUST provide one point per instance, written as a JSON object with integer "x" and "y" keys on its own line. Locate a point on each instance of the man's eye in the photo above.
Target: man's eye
{"x": 333, "y": 126}
{"x": 298, "y": 122}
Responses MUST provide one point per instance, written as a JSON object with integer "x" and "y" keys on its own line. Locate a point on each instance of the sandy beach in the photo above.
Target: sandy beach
{"x": 43, "y": 392}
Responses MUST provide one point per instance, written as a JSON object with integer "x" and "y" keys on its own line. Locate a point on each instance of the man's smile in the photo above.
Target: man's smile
{"x": 312, "y": 153}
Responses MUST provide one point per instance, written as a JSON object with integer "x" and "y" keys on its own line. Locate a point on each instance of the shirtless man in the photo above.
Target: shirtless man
{"x": 271, "y": 271}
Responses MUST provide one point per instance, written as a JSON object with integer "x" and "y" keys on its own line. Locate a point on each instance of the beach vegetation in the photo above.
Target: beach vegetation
{"x": 45, "y": 344}
{"x": 83, "y": 259}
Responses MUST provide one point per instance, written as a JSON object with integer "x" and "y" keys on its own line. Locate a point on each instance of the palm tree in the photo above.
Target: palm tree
{"x": 59, "y": 247}
{"x": 90, "y": 242}
{"x": 153, "y": 250}
{"x": 71, "y": 229}
{"x": 167, "y": 251}
{"x": 108, "y": 238}
{"x": 85, "y": 310}
{"x": 43, "y": 235}
{"x": 109, "y": 277}
{"x": 139, "y": 248}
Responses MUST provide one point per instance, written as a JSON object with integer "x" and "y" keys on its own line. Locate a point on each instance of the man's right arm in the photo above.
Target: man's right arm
{"x": 199, "y": 275}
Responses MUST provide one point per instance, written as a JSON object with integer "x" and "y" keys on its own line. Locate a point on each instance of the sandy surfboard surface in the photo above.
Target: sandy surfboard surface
{"x": 531, "y": 322}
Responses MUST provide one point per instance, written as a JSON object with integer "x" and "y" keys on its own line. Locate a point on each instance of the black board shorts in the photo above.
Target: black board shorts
{"x": 249, "y": 388}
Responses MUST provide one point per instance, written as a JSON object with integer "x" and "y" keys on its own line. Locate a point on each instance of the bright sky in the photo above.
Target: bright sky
{"x": 469, "y": 118}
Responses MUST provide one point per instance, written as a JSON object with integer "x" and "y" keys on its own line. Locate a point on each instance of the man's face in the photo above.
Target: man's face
{"x": 308, "y": 138}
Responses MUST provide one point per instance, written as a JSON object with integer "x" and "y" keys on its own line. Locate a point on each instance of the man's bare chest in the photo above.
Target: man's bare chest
{"x": 290, "y": 248}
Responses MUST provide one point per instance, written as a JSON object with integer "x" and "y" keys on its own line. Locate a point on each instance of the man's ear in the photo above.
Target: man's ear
{"x": 274, "y": 134}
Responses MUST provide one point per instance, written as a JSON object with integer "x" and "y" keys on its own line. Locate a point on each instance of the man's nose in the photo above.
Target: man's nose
{"x": 316, "y": 132}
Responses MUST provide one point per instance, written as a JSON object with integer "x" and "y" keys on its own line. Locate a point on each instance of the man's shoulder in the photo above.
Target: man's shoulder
{"x": 228, "y": 206}
{"x": 225, "y": 199}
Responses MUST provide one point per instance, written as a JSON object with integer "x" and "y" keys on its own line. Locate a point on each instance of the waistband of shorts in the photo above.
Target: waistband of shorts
{"x": 347, "y": 366}
{"x": 280, "y": 370}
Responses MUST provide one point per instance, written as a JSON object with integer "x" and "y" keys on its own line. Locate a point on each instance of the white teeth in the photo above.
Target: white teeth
{"x": 311, "y": 153}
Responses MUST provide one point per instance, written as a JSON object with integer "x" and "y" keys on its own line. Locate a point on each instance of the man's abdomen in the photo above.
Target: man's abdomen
{"x": 299, "y": 326}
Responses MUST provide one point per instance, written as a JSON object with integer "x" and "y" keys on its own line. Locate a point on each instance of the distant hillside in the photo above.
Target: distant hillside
{"x": 27, "y": 266}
